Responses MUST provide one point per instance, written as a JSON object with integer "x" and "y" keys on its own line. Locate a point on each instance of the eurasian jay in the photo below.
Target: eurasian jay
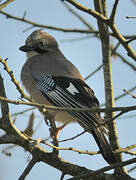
{"x": 53, "y": 80}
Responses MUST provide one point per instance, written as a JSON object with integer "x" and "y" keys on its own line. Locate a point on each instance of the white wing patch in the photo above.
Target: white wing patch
{"x": 72, "y": 89}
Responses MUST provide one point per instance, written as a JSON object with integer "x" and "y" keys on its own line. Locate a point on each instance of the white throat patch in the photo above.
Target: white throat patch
{"x": 31, "y": 54}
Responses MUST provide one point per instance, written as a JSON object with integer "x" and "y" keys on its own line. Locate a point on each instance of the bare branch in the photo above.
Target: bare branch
{"x": 22, "y": 112}
{"x": 112, "y": 17}
{"x": 115, "y": 117}
{"x": 123, "y": 41}
{"x": 132, "y": 39}
{"x": 125, "y": 61}
{"x": 131, "y": 169}
{"x": 127, "y": 150}
{"x": 107, "y": 168}
{"x": 13, "y": 79}
{"x": 88, "y": 10}
{"x": 4, "y": 105}
{"x": 68, "y": 139}
{"x": 130, "y": 17}
{"x": 24, "y": 15}
{"x": 6, "y": 3}
{"x": 128, "y": 92}
{"x": 110, "y": 23}
{"x": 34, "y": 24}
{"x": 124, "y": 94}
{"x": 99, "y": 67}
{"x": 53, "y": 131}
{"x": 28, "y": 168}
{"x": 70, "y": 149}
{"x": 79, "y": 17}
{"x": 95, "y": 71}
{"x": 45, "y": 107}
{"x": 106, "y": 61}
{"x": 29, "y": 129}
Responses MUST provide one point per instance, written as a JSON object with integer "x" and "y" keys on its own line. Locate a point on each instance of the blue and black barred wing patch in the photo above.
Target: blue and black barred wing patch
{"x": 44, "y": 83}
{"x": 70, "y": 93}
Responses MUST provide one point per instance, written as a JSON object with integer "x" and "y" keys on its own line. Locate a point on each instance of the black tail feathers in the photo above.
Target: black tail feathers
{"x": 104, "y": 146}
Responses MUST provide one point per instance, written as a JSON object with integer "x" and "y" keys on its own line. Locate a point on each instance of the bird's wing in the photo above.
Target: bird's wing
{"x": 75, "y": 93}
{"x": 70, "y": 93}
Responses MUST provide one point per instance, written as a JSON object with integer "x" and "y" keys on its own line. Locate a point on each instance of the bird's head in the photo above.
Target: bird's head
{"x": 39, "y": 42}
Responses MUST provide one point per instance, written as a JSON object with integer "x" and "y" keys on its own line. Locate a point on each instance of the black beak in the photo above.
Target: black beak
{"x": 26, "y": 48}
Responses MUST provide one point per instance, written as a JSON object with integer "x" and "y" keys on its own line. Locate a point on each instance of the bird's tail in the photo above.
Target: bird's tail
{"x": 104, "y": 146}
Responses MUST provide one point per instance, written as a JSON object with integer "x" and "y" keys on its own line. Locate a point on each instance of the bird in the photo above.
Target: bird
{"x": 52, "y": 79}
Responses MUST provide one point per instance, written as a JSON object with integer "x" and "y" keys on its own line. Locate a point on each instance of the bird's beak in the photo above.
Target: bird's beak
{"x": 25, "y": 48}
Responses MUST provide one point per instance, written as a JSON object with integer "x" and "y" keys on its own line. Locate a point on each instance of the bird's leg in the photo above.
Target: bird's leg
{"x": 58, "y": 129}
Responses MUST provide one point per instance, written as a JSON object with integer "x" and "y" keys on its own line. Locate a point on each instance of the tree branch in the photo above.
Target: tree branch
{"x": 109, "y": 97}
{"x": 79, "y": 17}
{"x": 107, "y": 168}
{"x": 34, "y": 24}
{"x": 4, "y": 104}
{"x": 45, "y": 107}
{"x": 88, "y": 10}
{"x": 64, "y": 140}
{"x": 53, "y": 131}
{"x": 28, "y": 168}
{"x": 70, "y": 149}
{"x": 95, "y": 71}
{"x": 13, "y": 79}
{"x": 6, "y": 3}
{"x": 109, "y": 22}
{"x": 112, "y": 17}
{"x": 125, "y": 61}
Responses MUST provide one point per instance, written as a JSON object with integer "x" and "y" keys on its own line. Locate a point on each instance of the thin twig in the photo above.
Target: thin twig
{"x": 125, "y": 61}
{"x": 99, "y": 67}
{"x": 34, "y": 24}
{"x": 24, "y": 15}
{"x": 115, "y": 117}
{"x": 22, "y": 112}
{"x": 6, "y": 3}
{"x": 126, "y": 148}
{"x": 113, "y": 50}
{"x": 88, "y": 10}
{"x": 70, "y": 149}
{"x": 112, "y": 17}
{"x": 121, "y": 95}
{"x": 107, "y": 168}
{"x": 124, "y": 94}
{"x": 110, "y": 23}
{"x": 68, "y": 139}
{"x": 13, "y": 79}
{"x": 132, "y": 153}
{"x": 128, "y": 92}
{"x": 95, "y": 71}
{"x": 132, "y": 39}
{"x": 79, "y": 17}
{"x": 131, "y": 169}
{"x": 130, "y": 17}
{"x": 27, "y": 29}
{"x": 128, "y": 116}
{"x": 28, "y": 168}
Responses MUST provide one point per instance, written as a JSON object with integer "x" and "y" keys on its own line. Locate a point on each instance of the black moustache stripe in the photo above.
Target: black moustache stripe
{"x": 41, "y": 51}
